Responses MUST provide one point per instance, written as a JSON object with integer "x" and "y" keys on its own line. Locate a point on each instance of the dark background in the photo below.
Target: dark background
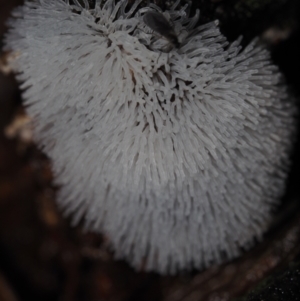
{"x": 43, "y": 258}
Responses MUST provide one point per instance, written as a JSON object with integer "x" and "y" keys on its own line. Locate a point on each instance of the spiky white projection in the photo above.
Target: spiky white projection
{"x": 179, "y": 154}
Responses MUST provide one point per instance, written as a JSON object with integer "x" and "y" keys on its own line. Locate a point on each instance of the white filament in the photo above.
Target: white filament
{"x": 177, "y": 156}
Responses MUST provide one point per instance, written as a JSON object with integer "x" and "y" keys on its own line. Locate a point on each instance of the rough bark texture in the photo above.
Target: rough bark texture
{"x": 42, "y": 257}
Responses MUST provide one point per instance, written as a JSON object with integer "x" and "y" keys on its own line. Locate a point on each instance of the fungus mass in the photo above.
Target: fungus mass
{"x": 177, "y": 154}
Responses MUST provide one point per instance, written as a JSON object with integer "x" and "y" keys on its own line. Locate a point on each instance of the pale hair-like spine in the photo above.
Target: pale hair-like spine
{"x": 178, "y": 157}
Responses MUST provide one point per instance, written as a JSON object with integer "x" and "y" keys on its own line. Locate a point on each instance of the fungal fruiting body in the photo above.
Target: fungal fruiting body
{"x": 177, "y": 156}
